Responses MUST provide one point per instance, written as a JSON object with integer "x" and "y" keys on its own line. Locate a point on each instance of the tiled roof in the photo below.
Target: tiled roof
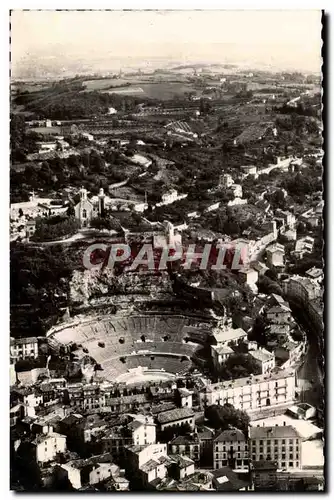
{"x": 261, "y": 355}
{"x": 174, "y": 415}
{"x": 283, "y": 431}
{"x": 244, "y": 381}
{"x": 186, "y": 440}
{"x": 230, "y": 435}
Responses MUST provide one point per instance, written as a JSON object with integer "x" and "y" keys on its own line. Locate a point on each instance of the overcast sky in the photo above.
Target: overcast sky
{"x": 290, "y": 39}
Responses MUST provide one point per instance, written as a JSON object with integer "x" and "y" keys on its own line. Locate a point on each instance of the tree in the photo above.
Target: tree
{"x": 238, "y": 365}
{"x": 105, "y": 223}
{"x": 226, "y": 416}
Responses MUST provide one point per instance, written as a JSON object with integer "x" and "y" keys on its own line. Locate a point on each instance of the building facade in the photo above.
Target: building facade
{"x": 230, "y": 448}
{"x": 280, "y": 443}
{"x": 252, "y": 393}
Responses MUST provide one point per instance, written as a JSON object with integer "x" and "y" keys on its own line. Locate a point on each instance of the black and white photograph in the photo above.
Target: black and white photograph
{"x": 166, "y": 251}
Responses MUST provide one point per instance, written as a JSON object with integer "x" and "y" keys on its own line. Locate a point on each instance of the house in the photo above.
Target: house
{"x": 23, "y": 348}
{"x": 129, "y": 430}
{"x": 230, "y": 448}
{"x": 229, "y": 336}
{"x": 249, "y": 170}
{"x": 89, "y": 471}
{"x": 315, "y": 274}
{"x": 185, "y": 445}
{"x": 220, "y": 354}
{"x": 112, "y": 111}
{"x": 235, "y": 190}
{"x": 181, "y": 466}
{"x": 48, "y": 446}
{"x": 86, "y": 135}
{"x": 303, "y": 246}
{"x": 264, "y": 475}
{"x": 275, "y": 255}
{"x": 147, "y": 462}
{"x": 302, "y": 411}
{"x": 30, "y": 228}
{"x": 206, "y": 436}
{"x": 225, "y": 480}
{"x": 249, "y": 276}
{"x": 226, "y": 180}
{"x": 279, "y": 443}
{"x": 280, "y": 314}
{"x": 264, "y": 359}
{"x": 185, "y": 397}
{"x": 176, "y": 417}
{"x": 16, "y": 413}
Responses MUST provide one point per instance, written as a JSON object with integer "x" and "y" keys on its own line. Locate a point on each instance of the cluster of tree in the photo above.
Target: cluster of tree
{"x": 267, "y": 285}
{"x": 258, "y": 333}
{"x": 302, "y": 109}
{"x": 87, "y": 169}
{"x": 300, "y": 185}
{"x": 54, "y": 228}
{"x": 69, "y": 104}
{"x": 105, "y": 223}
{"x": 276, "y": 199}
{"x": 226, "y": 416}
{"x": 21, "y": 142}
{"x": 238, "y": 365}
{"x": 39, "y": 285}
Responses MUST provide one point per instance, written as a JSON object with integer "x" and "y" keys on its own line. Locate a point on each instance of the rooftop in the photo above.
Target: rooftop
{"x": 262, "y": 355}
{"x": 282, "y": 431}
{"x": 179, "y": 440}
{"x": 225, "y": 479}
{"x": 240, "y": 382}
{"x": 174, "y": 415}
{"x": 231, "y": 435}
{"x": 24, "y": 340}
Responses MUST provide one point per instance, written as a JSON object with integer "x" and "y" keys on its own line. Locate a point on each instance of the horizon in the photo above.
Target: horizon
{"x": 276, "y": 39}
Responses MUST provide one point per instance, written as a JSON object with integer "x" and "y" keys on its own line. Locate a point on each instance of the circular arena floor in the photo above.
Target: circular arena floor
{"x": 141, "y": 375}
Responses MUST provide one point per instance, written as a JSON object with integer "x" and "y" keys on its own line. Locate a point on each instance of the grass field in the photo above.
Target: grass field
{"x": 153, "y": 90}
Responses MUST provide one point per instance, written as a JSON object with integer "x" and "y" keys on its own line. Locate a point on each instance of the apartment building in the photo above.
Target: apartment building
{"x": 280, "y": 443}
{"x": 264, "y": 359}
{"x": 25, "y": 348}
{"x": 230, "y": 448}
{"x": 254, "y": 392}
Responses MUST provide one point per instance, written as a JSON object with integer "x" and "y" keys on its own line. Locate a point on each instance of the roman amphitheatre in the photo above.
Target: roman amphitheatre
{"x": 137, "y": 343}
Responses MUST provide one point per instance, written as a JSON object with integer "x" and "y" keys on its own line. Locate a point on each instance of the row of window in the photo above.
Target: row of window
{"x": 269, "y": 442}
{"x": 276, "y": 457}
{"x": 232, "y": 447}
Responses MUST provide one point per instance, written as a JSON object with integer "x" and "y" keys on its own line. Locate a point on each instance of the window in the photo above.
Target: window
{"x": 290, "y": 464}
{"x": 261, "y": 457}
{"x": 261, "y": 442}
{"x": 253, "y": 457}
{"x": 276, "y": 441}
{"x": 291, "y": 456}
{"x": 84, "y": 214}
{"x": 297, "y": 464}
{"x": 290, "y": 441}
{"x": 283, "y": 465}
